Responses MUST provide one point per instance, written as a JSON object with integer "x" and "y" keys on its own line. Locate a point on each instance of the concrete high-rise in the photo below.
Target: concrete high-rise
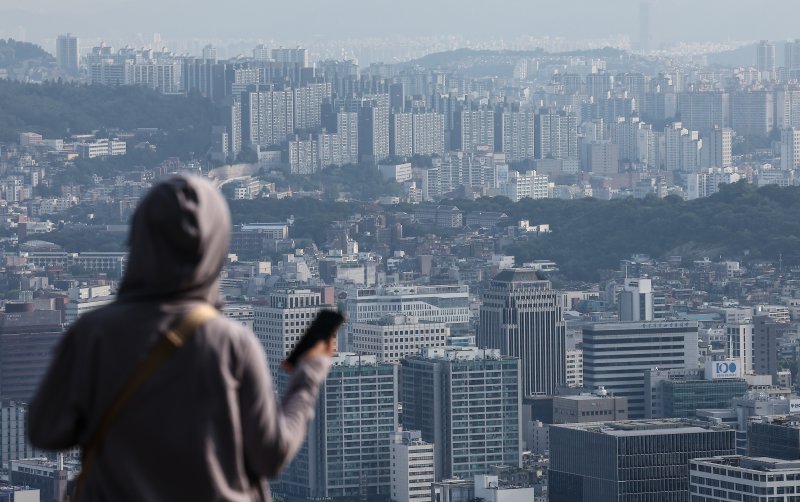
{"x": 765, "y": 346}
{"x": 522, "y": 316}
{"x": 556, "y": 134}
{"x": 629, "y": 460}
{"x": 282, "y": 320}
{"x": 636, "y": 300}
{"x": 790, "y": 149}
{"x": 616, "y": 355}
{"x": 765, "y": 58}
{"x": 717, "y": 150}
{"x": 373, "y": 132}
{"x": 467, "y": 402}
{"x": 645, "y": 38}
{"x": 412, "y": 467}
{"x": 67, "y": 55}
{"x": 515, "y": 134}
{"x": 348, "y": 452}
{"x": 792, "y": 55}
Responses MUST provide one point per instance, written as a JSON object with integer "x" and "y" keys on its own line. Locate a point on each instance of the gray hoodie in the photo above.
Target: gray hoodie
{"x": 207, "y": 425}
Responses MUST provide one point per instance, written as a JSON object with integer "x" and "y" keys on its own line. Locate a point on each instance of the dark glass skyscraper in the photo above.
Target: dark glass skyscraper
{"x": 521, "y": 315}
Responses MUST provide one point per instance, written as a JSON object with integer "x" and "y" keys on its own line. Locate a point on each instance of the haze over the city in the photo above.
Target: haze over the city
{"x": 673, "y": 20}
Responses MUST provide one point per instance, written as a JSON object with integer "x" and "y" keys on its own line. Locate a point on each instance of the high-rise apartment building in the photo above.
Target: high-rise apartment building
{"x": 752, "y": 112}
{"x": 765, "y": 58}
{"x": 556, "y": 134}
{"x": 67, "y": 55}
{"x": 473, "y": 128}
{"x": 522, "y": 316}
{"x": 412, "y": 467}
{"x": 348, "y": 452}
{"x": 515, "y": 134}
{"x": 401, "y": 142}
{"x": 427, "y": 133}
{"x": 267, "y": 116}
{"x": 616, "y": 354}
{"x": 466, "y": 401}
{"x": 373, "y": 131}
{"x": 717, "y": 148}
{"x": 703, "y": 111}
{"x": 792, "y": 54}
{"x": 790, "y": 149}
{"x": 629, "y": 460}
{"x": 298, "y": 56}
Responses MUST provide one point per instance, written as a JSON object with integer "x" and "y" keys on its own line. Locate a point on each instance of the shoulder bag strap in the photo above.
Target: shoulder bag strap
{"x": 172, "y": 340}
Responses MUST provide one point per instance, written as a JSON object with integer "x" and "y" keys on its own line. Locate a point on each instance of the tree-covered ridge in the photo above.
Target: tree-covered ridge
{"x": 59, "y": 109}
{"x": 589, "y": 235}
{"x": 13, "y": 52}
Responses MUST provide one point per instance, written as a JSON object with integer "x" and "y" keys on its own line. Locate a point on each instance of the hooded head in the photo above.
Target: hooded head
{"x": 178, "y": 242}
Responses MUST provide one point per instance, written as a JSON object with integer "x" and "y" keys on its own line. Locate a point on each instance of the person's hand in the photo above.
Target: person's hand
{"x": 323, "y": 348}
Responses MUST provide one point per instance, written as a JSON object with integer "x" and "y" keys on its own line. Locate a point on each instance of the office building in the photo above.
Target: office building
{"x": 412, "y": 469}
{"x": 392, "y": 338}
{"x": 67, "y": 54}
{"x": 14, "y": 443}
{"x": 679, "y": 393}
{"x": 51, "y": 477}
{"x": 348, "y": 452}
{"x": 466, "y": 401}
{"x": 27, "y": 340}
{"x": 775, "y": 436}
{"x": 438, "y": 304}
{"x": 636, "y": 300}
{"x": 735, "y": 477}
{"x": 629, "y": 460}
{"x": 616, "y": 355}
{"x": 739, "y": 346}
{"x": 522, "y": 316}
{"x": 453, "y": 490}
{"x": 766, "y": 332}
{"x": 595, "y": 407}
{"x": 574, "y": 371}
{"x": 281, "y": 321}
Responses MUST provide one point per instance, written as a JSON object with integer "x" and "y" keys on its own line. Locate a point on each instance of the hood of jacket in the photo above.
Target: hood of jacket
{"x": 178, "y": 242}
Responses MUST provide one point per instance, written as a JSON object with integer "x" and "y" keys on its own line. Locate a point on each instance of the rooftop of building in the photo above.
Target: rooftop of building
{"x": 763, "y": 464}
{"x": 519, "y": 275}
{"x": 650, "y": 427}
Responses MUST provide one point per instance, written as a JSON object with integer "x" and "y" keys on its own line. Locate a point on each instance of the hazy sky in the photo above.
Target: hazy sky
{"x": 671, "y": 20}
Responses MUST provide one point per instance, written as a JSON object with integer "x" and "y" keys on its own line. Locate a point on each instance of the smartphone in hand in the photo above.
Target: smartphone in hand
{"x": 322, "y": 328}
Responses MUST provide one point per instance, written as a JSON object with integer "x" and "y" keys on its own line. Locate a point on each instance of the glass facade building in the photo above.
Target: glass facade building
{"x": 629, "y": 461}
{"x": 466, "y": 401}
{"x": 347, "y": 453}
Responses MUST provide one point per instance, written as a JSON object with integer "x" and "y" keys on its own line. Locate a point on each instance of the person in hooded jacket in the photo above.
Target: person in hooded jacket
{"x": 207, "y": 424}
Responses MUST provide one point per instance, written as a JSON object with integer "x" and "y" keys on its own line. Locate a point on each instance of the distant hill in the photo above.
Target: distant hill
{"x": 57, "y": 110}
{"x": 13, "y": 52}
{"x": 479, "y": 63}
{"x": 589, "y": 235}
